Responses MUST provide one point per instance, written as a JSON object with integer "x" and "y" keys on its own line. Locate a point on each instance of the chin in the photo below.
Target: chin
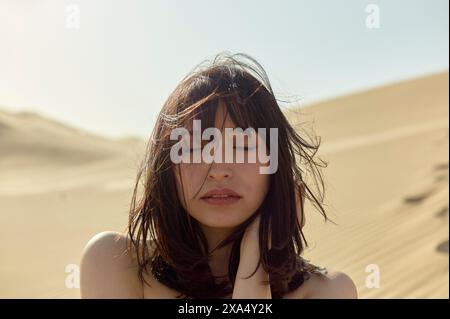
{"x": 217, "y": 219}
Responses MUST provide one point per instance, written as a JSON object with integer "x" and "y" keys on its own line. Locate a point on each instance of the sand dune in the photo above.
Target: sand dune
{"x": 387, "y": 189}
{"x": 58, "y": 187}
{"x": 41, "y": 155}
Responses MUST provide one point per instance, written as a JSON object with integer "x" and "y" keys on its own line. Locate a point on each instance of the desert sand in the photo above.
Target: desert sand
{"x": 386, "y": 190}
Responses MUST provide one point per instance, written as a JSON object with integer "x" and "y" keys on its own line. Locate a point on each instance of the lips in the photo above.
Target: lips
{"x": 222, "y": 196}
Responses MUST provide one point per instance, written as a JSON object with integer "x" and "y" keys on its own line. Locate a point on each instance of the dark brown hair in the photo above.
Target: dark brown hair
{"x": 168, "y": 241}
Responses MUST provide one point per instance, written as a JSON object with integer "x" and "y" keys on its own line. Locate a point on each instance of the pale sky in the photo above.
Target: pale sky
{"x": 112, "y": 74}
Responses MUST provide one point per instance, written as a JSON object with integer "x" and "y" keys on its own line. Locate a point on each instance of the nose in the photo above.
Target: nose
{"x": 219, "y": 171}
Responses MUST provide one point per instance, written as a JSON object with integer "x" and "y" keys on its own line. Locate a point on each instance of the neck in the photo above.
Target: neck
{"x": 218, "y": 261}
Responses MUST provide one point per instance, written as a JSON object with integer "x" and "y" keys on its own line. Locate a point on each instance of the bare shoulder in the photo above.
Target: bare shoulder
{"x": 333, "y": 285}
{"x": 107, "y": 268}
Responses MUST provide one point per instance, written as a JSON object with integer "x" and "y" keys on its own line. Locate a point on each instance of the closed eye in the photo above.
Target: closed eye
{"x": 246, "y": 148}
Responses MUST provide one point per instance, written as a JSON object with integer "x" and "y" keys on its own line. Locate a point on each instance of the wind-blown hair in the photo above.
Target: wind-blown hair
{"x": 167, "y": 241}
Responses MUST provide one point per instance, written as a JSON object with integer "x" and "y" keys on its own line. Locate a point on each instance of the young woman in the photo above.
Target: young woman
{"x": 213, "y": 228}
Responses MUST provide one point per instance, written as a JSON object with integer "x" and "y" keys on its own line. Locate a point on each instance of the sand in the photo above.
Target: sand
{"x": 386, "y": 189}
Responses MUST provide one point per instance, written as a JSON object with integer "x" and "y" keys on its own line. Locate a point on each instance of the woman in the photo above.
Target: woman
{"x": 204, "y": 227}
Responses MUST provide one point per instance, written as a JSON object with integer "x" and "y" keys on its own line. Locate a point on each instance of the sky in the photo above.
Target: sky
{"x": 107, "y": 66}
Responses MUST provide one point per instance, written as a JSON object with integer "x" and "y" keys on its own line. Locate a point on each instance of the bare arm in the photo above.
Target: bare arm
{"x": 335, "y": 285}
{"x": 253, "y": 287}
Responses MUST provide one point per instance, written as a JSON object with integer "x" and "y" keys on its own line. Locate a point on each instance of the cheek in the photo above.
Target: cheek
{"x": 189, "y": 180}
{"x": 256, "y": 184}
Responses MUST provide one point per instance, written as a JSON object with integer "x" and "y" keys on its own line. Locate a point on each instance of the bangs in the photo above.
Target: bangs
{"x": 204, "y": 102}
{"x": 180, "y": 253}
{"x": 206, "y": 113}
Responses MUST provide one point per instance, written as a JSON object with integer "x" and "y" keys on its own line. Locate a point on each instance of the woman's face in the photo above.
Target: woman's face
{"x": 222, "y": 195}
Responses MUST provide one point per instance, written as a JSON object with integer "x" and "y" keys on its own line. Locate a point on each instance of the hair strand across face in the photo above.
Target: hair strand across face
{"x": 168, "y": 241}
